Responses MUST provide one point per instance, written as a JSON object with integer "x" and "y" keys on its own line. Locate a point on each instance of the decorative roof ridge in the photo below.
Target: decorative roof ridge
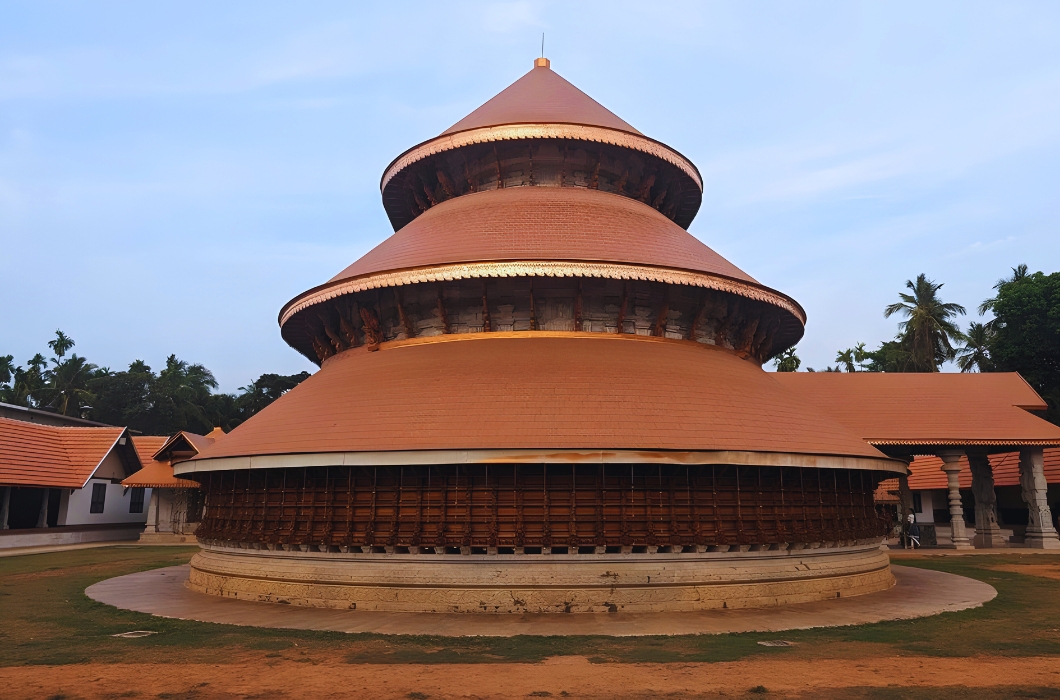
{"x": 540, "y": 268}
{"x": 541, "y": 130}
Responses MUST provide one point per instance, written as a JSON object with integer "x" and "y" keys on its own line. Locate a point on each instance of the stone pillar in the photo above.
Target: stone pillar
{"x": 987, "y": 531}
{"x": 905, "y": 499}
{"x": 951, "y": 464}
{"x": 152, "y": 513}
{"x": 1040, "y": 531}
{"x": 42, "y": 519}
{"x": 5, "y": 508}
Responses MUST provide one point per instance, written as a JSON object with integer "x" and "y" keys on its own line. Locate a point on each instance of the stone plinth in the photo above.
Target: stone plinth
{"x": 542, "y": 583}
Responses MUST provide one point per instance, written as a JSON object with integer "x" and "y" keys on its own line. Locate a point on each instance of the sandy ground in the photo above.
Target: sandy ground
{"x": 1045, "y": 570}
{"x": 556, "y": 677}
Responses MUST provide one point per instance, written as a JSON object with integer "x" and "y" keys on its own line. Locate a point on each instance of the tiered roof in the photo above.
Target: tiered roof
{"x": 555, "y": 392}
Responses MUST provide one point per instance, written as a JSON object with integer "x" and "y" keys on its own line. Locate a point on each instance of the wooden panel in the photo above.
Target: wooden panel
{"x": 584, "y": 506}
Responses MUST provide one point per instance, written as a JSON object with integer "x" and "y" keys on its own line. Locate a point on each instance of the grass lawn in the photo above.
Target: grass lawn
{"x": 46, "y": 619}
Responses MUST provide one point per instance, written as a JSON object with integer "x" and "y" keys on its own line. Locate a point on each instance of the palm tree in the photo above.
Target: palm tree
{"x": 181, "y": 393}
{"x": 27, "y": 383}
{"x": 787, "y": 361}
{"x": 974, "y": 355}
{"x": 7, "y": 368}
{"x": 1018, "y": 273}
{"x": 853, "y": 359}
{"x": 928, "y": 327}
{"x": 67, "y": 389}
{"x": 61, "y": 344}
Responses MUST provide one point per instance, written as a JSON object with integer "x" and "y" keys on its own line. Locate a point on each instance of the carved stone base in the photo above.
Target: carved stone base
{"x": 542, "y": 583}
{"x": 1040, "y": 540}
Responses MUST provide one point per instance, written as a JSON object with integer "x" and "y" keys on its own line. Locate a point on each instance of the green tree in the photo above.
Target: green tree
{"x": 1027, "y": 334}
{"x": 787, "y": 361}
{"x": 852, "y": 359}
{"x": 66, "y": 390}
{"x": 27, "y": 383}
{"x": 266, "y": 389}
{"x": 61, "y": 344}
{"x": 928, "y": 330}
{"x": 179, "y": 397}
{"x": 891, "y": 356}
{"x": 1018, "y": 273}
{"x": 7, "y": 368}
{"x": 124, "y": 398}
{"x": 974, "y": 355}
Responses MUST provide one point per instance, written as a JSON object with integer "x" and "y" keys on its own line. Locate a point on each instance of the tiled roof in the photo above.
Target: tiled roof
{"x": 542, "y": 223}
{"x": 926, "y": 471}
{"x": 155, "y": 475}
{"x": 158, "y": 473}
{"x": 593, "y": 391}
{"x": 541, "y": 97}
{"x": 928, "y": 409}
{"x": 147, "y": 445}
{"x": 44, "y": 455}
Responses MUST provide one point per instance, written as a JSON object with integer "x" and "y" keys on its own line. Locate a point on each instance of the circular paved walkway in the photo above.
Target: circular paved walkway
{"x": 918, "y": 593}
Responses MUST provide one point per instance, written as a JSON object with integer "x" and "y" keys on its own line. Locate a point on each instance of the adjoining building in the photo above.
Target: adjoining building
{"x": 61, "y": 484}
{"x": 542, "y": 394}
{"x": 176, "y": 504}
{"x": 999, "y": 516}
{"x": 939, "y": 422}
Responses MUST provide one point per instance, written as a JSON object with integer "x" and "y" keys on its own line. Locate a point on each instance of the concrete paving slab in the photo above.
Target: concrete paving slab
{"x": 917, "y": 593}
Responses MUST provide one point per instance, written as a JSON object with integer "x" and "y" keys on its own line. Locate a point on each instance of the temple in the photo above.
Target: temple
{"x": 542, "y": 394}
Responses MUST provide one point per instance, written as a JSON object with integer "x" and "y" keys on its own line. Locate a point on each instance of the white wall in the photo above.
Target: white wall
{"x": 926, "y": 514}
{"x": 75, "y": 503}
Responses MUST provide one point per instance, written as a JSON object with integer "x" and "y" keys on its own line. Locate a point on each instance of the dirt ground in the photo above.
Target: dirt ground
{"x": 56, "y": 643}
{"x": 1045, "y": 570}
{"x": 556, "y": 677}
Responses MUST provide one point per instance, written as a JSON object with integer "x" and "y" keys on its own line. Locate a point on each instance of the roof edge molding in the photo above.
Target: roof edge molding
{"x": 530, "y": 456}
{"x": 540, "y": 268}
{"x": 514, "y": 132}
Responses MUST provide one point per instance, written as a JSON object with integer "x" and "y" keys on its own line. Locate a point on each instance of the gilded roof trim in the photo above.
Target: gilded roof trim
{"x": 542, "y": 268}
{"x": 517, "y": 456}
{"x": 512, "y": 132}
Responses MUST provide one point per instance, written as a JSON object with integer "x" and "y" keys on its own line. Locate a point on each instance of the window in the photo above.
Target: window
{"x": 136, "y": 505}
{"x": 99, "y": 494}
{"x": 918, "y": 502}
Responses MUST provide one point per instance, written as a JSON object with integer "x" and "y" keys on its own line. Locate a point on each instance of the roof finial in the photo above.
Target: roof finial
{"x": 542, "y": 62}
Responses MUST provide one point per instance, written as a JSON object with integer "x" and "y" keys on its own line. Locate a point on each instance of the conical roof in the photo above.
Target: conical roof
{"x": 541, "y": 97}
{"x": 541, "y": 131}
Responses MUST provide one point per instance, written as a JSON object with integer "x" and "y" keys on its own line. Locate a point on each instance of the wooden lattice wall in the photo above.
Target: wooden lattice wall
{"x": 546, "y": 506}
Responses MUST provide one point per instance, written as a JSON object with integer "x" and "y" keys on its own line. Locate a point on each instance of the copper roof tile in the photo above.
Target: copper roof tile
{"x": 158, "y": 475}
{"x": 52, "y": 456}
{"x": 587, "y": 392}
{"x": 542, "y": 223}
{"x": 928, "y": 409}
{"x": 147, "y": 445}
{"x": 541, "y": 97}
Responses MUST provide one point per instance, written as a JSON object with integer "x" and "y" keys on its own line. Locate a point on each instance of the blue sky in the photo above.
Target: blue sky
{"x": 171, "y": 174}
